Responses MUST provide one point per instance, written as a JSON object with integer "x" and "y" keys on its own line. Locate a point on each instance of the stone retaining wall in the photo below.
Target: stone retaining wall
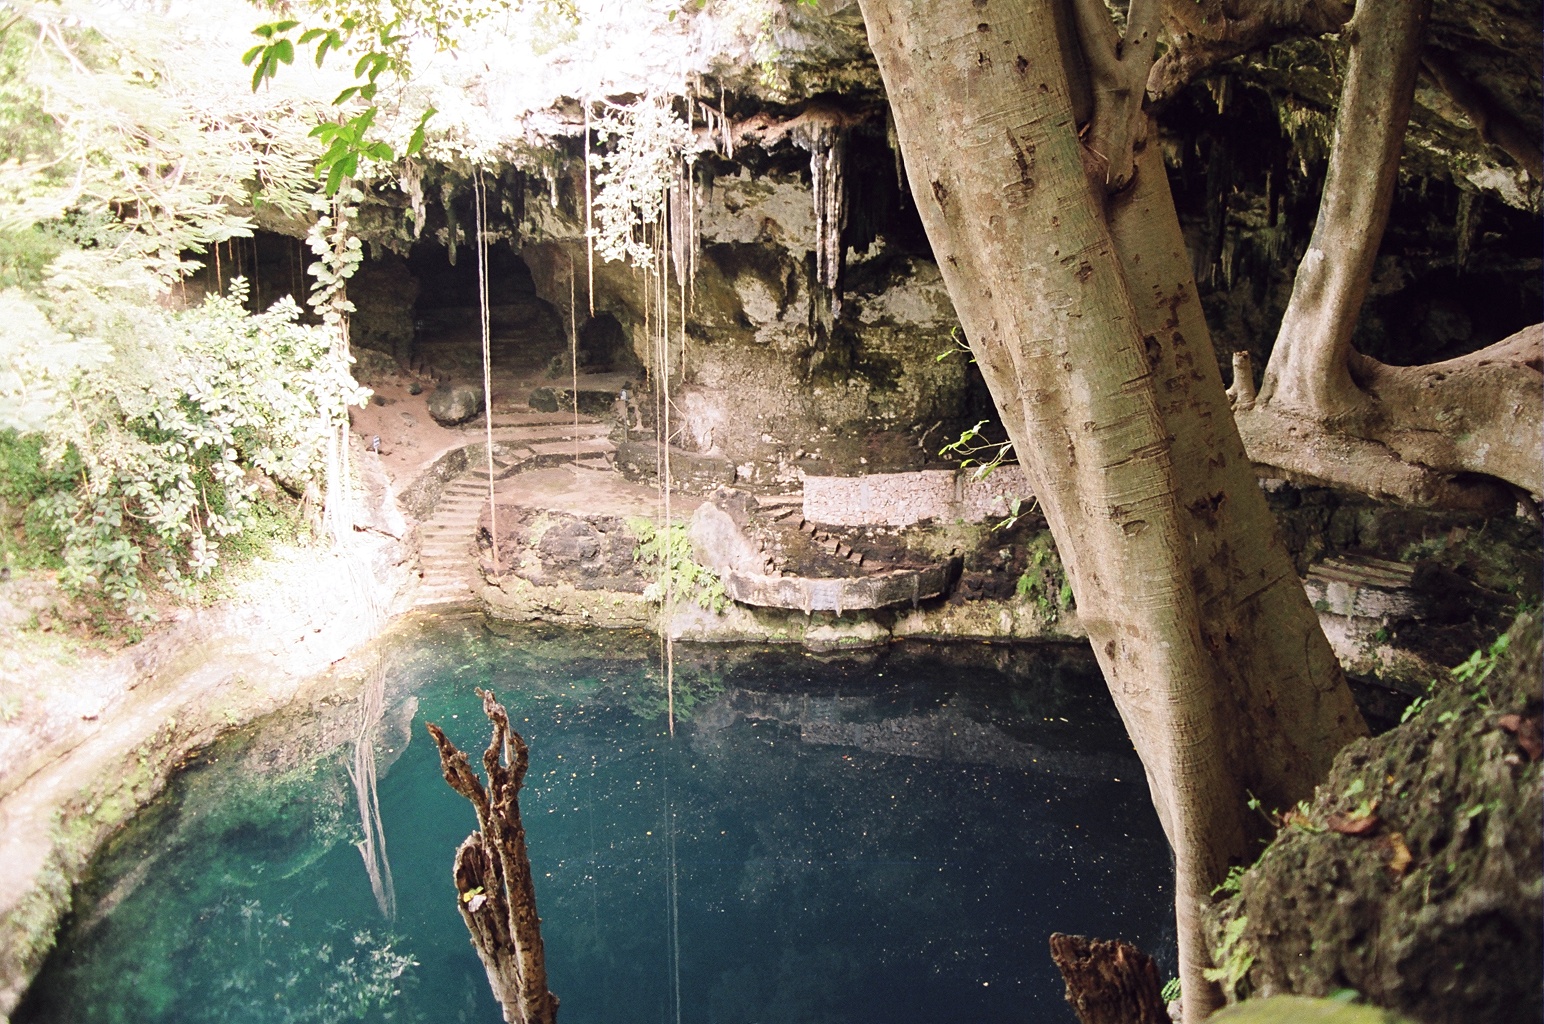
{"x": 901, "y": 499}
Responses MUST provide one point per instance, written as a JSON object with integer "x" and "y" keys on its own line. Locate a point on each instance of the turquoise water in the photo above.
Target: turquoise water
{"x": 870, "y": 838}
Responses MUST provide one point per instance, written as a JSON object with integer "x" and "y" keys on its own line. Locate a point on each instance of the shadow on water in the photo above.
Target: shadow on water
{"x": 875, "y": 837}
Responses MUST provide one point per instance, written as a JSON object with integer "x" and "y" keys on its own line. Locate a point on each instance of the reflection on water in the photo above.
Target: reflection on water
{"x": 362, "y": 773}
{"x": 883, "y": 837}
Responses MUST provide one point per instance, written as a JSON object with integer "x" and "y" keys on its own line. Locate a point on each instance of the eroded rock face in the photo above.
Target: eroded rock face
{"x": 453, "y": 405}
{"x": 1415, "y": 876}
{"x": 549, "y": 549}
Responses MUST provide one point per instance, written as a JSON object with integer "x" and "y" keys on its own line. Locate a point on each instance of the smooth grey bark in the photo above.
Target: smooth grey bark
{"x": 1080, "y": 311}
{"x": 1327, "y": 414}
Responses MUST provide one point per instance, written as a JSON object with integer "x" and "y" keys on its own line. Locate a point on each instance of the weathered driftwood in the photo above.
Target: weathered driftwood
{"x": 1109, "y": 982}
{"x": 494, "y": 890}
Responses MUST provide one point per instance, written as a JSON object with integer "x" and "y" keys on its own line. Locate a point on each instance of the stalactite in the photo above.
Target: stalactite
{"x": 1467, "y": 227}
{"x": 412, "y": 185}
{"x": 726, "y": 127}
{"x": 512, "y": 202}
{"x": 452, "y": 229}
{"x": 678, "y": 203}
{"x": 827, "y": 145}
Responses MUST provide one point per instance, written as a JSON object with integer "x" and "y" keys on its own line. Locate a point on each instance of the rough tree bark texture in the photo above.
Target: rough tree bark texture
{"x": 494, "y": 889}
{"x": 1083, "y": 318}
{"x": 1204, "y": 33}
{"x": 1326, "y": 414}
{"x": 1109, "y": 982}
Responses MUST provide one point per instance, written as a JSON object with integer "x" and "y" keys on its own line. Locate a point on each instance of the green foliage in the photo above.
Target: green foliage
{"x": 1471, "y": 673}
{"x": 1233, "y": 958}
{"x": 1044, "y": 579}
{"x": 156, "y": 435}
{"x": 1171, "y": 990}
{"x": 26, "y": 477}
{"x": 670, "y": 550}
{"x": 1475, "y": 669}
{"x": 108, "y": 146}
{"x": 1233, "y": 882}
{"x": 380, "y": 36}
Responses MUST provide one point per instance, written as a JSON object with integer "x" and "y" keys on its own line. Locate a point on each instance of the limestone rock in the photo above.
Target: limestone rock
{"x": 371, "y": 366}
{"x": 453, "y": 405}
{"x": 719, "y": 543}
{"x": 1414, "y": 875}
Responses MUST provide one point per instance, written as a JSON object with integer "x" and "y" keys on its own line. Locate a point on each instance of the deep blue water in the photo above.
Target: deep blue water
{"x": 878, "y": 837}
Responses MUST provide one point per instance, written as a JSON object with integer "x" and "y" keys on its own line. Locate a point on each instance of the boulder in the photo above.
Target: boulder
{"x": 372, "y": 366}
{"x": 454, "y": 405}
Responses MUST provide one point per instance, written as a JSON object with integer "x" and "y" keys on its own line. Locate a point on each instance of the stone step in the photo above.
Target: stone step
{"x": 549, "y": 431}
{"x": 444, "y": 581}
{"x": 433, "y": 599}
{"x": 592, "y": 446}
{"x": 538, "y": 419}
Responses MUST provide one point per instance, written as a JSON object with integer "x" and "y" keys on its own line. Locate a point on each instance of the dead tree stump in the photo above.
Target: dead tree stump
{"x": 1109, "y": 982}
{"x": 494, "y": 889}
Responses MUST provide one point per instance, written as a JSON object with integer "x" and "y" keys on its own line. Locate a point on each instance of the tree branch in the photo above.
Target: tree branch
{"x": 1309, "y": 369}
{"x": 1204, "y": 33}
{"x": 1494, "y": 122}
{"x": 1442, "y": 436}
{"x": 495, "y": 892}
{"x": 1118, "y": 69}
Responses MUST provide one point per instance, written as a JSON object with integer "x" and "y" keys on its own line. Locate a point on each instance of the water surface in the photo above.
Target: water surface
{"x": 870, "y": 838}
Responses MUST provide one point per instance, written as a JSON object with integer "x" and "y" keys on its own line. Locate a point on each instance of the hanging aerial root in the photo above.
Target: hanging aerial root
{"x": 494, "y": 889}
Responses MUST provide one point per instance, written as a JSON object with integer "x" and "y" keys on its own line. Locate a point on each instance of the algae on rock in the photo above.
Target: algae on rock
{"x": 1415, "y": 875}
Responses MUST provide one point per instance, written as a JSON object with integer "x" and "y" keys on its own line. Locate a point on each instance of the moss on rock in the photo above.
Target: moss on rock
{"x": 1415, "y": 876}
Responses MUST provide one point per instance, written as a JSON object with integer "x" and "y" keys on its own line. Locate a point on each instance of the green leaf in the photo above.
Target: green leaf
{"x": 251, "y": 55}
{"x": 312, "y": 34}
{"x": 345, "y": 95}
{"x": 379, "y": 151}
{"x": 361, "y": 64}
{"x": 284, "y": 50}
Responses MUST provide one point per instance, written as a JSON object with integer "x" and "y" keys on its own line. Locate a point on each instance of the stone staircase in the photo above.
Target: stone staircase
{"x": 525, "y": 441}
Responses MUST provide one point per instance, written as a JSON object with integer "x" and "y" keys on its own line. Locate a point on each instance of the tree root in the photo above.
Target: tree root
{"x": 1460, "y": 434}
{"x": 495, "y": 893}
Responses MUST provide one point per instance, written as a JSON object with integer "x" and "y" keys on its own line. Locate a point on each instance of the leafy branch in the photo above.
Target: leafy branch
{"x": 348, "y": 140}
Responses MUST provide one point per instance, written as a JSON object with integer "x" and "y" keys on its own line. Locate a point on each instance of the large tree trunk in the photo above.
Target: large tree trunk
{"x": 1083, "y": 318}
{"x": 1419, "y": 435}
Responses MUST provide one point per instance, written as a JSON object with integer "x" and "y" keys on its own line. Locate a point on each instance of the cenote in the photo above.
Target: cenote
{"x": 870, "y": 836}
